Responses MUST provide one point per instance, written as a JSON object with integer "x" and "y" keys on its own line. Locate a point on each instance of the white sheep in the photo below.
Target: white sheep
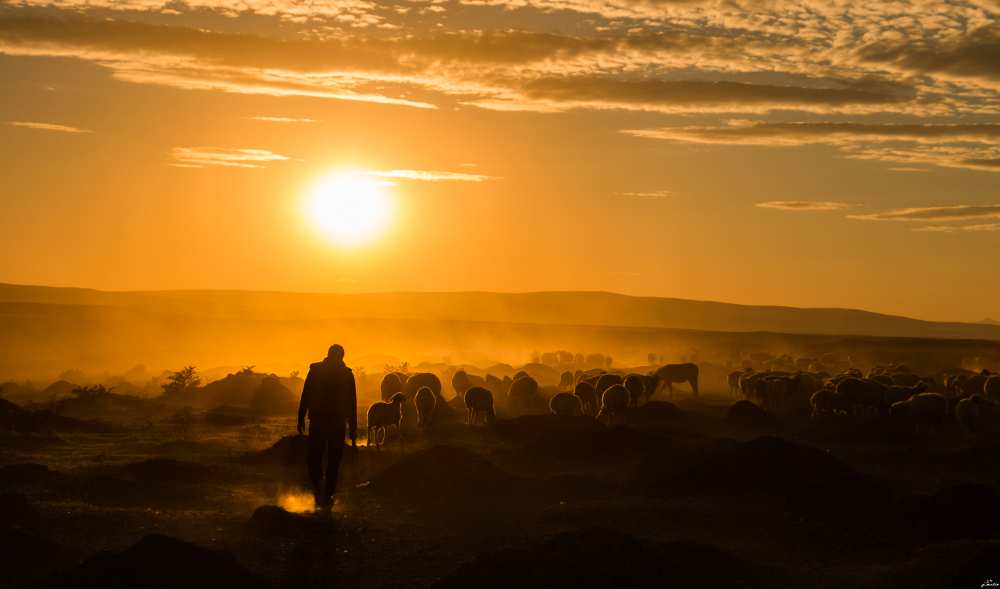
{"x": 479, "y": 406}
{"x": 425, "y": 401}
{"x": 614, "y": 402}
{"x": 381, "y": 415}
{"x": 566, "y": 405}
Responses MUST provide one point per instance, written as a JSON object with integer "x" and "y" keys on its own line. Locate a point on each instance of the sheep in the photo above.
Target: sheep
{"x": 423, "y": 379}
{"x": 425, "y": 401}
{"x": 636, "y": 388}
{"x": 862, "y": 395}
{"x": 976, "y": 414}
{"x": 383, "y": 414}
{"x": 566, "y": 381}
{"x": 566, "y": 405}
{"x": 734, "y": 382}
{"x": 479, "y": 405}
{"x": 827, "y": 402}
{"x": 523, "y": 393}
{"x": 606, "y": 381}
{"x": 926, "y": 410}
{"x": 894, "y": 394}
{"x": 391, "y": 384}
{"x": 588, "y": 397}
{"x": 614, "y": 402}
{"x": 671, "y": 373}
{"x": 991, "y": 388}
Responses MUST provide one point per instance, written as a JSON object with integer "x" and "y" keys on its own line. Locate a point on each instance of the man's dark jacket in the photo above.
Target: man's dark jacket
{"x": 330, "y": 397}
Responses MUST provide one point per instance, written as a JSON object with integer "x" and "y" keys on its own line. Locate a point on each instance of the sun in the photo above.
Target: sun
{"x": 349, "y": 208}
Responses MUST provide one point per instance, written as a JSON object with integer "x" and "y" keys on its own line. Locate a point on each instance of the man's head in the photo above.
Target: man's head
{"x": 336, "y": 352}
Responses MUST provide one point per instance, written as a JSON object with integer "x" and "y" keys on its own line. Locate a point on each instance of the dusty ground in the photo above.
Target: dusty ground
{"x": 679, "y": 497}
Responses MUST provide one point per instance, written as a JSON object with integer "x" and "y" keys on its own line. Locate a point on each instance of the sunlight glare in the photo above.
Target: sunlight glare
{"x": 349, "y": 208}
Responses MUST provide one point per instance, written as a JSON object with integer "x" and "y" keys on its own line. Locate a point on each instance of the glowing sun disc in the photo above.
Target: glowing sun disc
{"x": 349, "y": 208}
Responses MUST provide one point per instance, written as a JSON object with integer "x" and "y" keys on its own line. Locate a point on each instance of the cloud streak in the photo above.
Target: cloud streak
{"x": 803, "y": 205}
{"x": 428, "y": 175}
{"x": 203, "y": 157}
{"x": 47, "y": 127}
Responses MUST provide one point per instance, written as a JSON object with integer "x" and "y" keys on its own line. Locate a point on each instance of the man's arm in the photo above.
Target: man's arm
{"x": 352, "y": 406}
{"x": 305, "y": 399}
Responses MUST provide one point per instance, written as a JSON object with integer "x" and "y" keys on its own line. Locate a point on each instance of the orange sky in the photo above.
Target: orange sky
{"x": 803, "y": 153}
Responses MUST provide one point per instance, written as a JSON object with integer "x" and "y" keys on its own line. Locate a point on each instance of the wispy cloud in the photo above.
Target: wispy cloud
{"x": 47, "y": 127}
{"x": 970, "y": 145}
{"x": 284, "y": 119}
{"x": 651, "y": 194}
{"x": 201, "y": 157}
{"x": 803, "y": 205}
{"x": 934, "y": 214}
{"x": 980, "y": 228}
{"x": 429, "y": 175}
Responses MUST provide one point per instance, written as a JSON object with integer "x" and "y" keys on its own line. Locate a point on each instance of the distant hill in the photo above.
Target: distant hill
{"x": 45, "y": 331}
{"x": 546, "y": 308}
{"x": 989, "y": 321}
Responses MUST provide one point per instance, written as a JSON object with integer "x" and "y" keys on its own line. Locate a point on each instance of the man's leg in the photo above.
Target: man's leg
{"x": 314, "y": 459}
{"x": 335, "y": 451}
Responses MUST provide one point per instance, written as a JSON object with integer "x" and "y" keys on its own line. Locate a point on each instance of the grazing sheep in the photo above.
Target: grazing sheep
{"x": 973, "y": 384}
{"x": 420, "y": 380}
{"x": 566, "y": 405}
{"x": 904, "y": 379}
{"x": 479, "y": 406}
{"x": 991, "y": 388}
{"x": 588, "y": 397}
{"x": 425, "y": 402}
{"x": 460, "y": 382}
{"x": 895, "y": 394}
{"x": 924, "y": 411}
{"x": 863, "y": 396}
{"x": 827, "y": 402}
{"x": 566, "y": 381}
{"x": 523, "y": 393}
{"x": 614, "y": 403}
{"x": 636, "y": 388}
{"x": 391, "y": 384}
{"x": 734, "y": 382}
{"x": 606, "y": 381}
{"x": 976, "y": 414}
{"x": 381, "y": 415}
{"x": 671, "y": 373}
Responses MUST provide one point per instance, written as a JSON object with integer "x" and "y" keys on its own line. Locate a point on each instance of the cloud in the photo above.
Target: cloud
{"x": 652, "y": 194}
{"x": 969, "y": 145}
{"x": 792, "y": 134}
{"x": 428, "y": 175}
{"x": 47, "y": 127}
{"x": 284, "y": 119}
{"x": 201, "y": 157}
{"x": 803, "y": 205}
{"x": 976, "y": 55}
{"x": 934, "y": 214}
{"x": 981, "y": 228}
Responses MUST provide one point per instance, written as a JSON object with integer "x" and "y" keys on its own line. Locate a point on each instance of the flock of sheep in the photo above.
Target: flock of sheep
{"x": 597, "y": 393}
{"x": 926, "y": 402}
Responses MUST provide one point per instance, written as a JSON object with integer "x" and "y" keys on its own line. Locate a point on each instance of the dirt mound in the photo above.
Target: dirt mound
{"x": 159, "y": 481}
{"x": 288, "y": 451}
{"x": 441, "y": 473}
{"x": 603, "y": 558}
{"x": 25, "y": 557}
{"x": 16, "y": 419}
{"x": 167, "y": 470}
{"x": 528, "y": 429}
{"x": 27, "y": 474}
{"x": 766, "y": 466}
{"x": 960, "y": 511}
{"x": 978, "y": 571}
{"x": 744, "y": 414}
{"x": 271, "y": 520}
{"x": 596, "y": 445}
{"x": 158, "y": 561}
{"x": 17, "y": 510}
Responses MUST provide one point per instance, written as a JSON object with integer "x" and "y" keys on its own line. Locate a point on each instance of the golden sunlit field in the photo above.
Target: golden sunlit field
{"x": 500, "y": 294}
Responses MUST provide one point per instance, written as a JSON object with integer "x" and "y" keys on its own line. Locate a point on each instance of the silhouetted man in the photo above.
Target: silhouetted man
{"x": 329, "y": 397}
